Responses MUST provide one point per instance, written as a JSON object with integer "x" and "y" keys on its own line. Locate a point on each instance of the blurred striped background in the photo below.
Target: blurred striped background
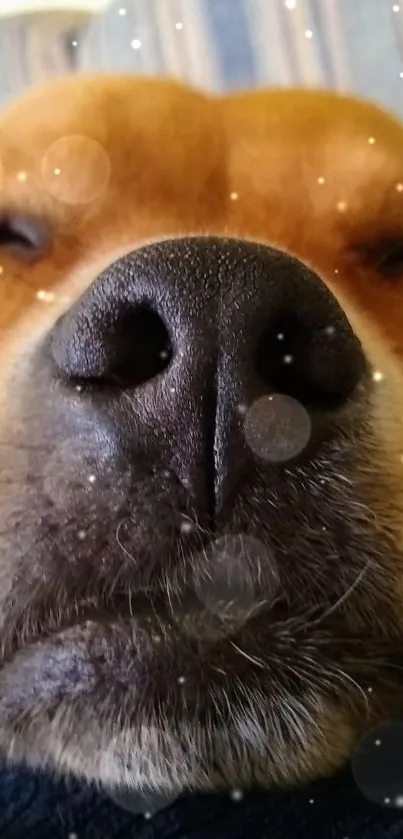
{"x": 354, "y": 45}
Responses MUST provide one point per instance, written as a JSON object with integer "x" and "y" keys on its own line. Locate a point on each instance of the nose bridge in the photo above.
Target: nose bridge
{"x": 212, "y": 377}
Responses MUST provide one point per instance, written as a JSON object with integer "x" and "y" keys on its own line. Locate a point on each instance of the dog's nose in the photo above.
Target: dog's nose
{"x": 196, "y": 330}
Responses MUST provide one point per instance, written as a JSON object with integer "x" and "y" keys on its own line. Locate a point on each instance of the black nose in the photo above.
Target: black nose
{"x": 198, "y": 331}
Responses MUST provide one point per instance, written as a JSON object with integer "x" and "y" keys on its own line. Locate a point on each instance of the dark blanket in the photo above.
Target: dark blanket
{"x": 35, "y": 807}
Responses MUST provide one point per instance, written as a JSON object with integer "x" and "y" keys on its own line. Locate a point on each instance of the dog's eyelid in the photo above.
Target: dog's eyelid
{"x": 384, "y": 255}
{"x": 24, "y": 236}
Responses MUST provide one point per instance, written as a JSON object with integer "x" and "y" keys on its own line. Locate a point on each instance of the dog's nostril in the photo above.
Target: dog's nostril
{"x": 132, "y": 348}
{"x": 316, "y": 362}
{"x": 138, "y": 348}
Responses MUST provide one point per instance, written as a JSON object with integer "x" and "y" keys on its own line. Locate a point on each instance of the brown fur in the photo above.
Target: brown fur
{"x": 311, "y": 173}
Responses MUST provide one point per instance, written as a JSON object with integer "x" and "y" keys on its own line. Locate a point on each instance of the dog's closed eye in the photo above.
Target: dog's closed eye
{"x": 25, "y": 237}
{"x": 385, "y": 256}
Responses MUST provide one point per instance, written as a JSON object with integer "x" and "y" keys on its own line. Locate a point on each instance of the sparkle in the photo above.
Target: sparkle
{"x": 21, "y": 177}
{"x": 237, "y": 795}
{"x": 234, "y": 196}
{"x": 396, "y": 8}
{"x": 401, "y": 75}
{"x": 341, "y": 206}
{"x": 399, "y": 801}
{"x": 81, "y": 534}
{"x": 370, "y": 689}
{"x": 92, "y": 479}
{"x": 186, "y": 527}
{"x": 74, "y": 43}
{"x": 136, "y": 44}
{"x": 164, "y": 354}
{"x": 288, "y": 359}
{"x": 308, "y": 33}
{"x": 330, "y": 330}
{"x": 377, "y": 376}
{"x": 280, "y": 336}
{"x": 386, "y": 800}
{"x": 312, "y": 801}
{"x": 179, "y": 25}
{"x": 399, "y": 187}
{"x": 45, "y": 296}
{"x": 147, "y": 814}
{"x": 321, "y": 180}
{"x": 378, "y": 742}
{"x": 1, "y": 269}
{"x": 122, "y": 12}
{"x": 156, "y": 638}
{"x": 181, "y": 680}
{"x": 242, "y": 408}
{"x": 290, "y": 4}
{"x": 371, "y": 140}
{"x": 72, "y": 836}
{"x": 336, "y": 270}
{"x": 79, "y": 388}
{"x": 57, "y": 171}
{"x": 401, "y": 458}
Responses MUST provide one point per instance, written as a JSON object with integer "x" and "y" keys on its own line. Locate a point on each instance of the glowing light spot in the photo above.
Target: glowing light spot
{"x": 370, "y": 689}
{"x": 242, "y": 408}
{"x": 21, "y": 177}
{"x": 122, "y": 12}
{"x": 336, "y": 270}
{"x": 401, "y": 74}
{"x": 321, "y": 180}
{"x": 181, "y": 680}
{"x": 76, "y": 169}
{"x": 396, "y": 8}
{"x": 308, "y": 33}
{"x": 179, "y": 25}
{"x": 330, "y": 330}
{"x": 280, "y": 336}
{"x": 277, "y": 427}
{"x": 92, "y": 478}
{"x": 399, "y": 187}
{"x": 79, "y": 388}
{"x": 45, "y": 296}
{"x": 341, "y": 206}
{"x": 312, "y": 801}
{"x": 186, "y": 527}
{"x": 371, "y": 140}
{"x": 234, "y": 196}
{"x": 288, "y": 359}
{"x": 74, "y": 43}
{"x": 290, "y": 4}
{"x": 382, "y": 747}
{"x": 377, "y": 376}
{"x": 147, "y": 815}
{"x": 81, "y": 534}
{"x": 399, "y": 801}
{"x": 236, "y": 795}
{"x": 1, "y": 269}
{"x": 135, "y": 44}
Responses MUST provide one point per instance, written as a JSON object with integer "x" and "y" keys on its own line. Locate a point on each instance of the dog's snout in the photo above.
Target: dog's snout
{"x": 196, "y": 330}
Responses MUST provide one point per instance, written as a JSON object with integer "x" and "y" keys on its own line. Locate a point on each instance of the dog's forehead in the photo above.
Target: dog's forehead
{"x": 310, "y": 155}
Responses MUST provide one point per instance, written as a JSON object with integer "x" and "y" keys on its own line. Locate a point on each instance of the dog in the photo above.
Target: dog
{"x": 201, "y": 447}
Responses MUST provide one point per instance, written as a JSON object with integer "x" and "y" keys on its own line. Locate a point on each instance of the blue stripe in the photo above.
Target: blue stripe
{"x": 228, "y": 24}
{"x": 374, "y": 57}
